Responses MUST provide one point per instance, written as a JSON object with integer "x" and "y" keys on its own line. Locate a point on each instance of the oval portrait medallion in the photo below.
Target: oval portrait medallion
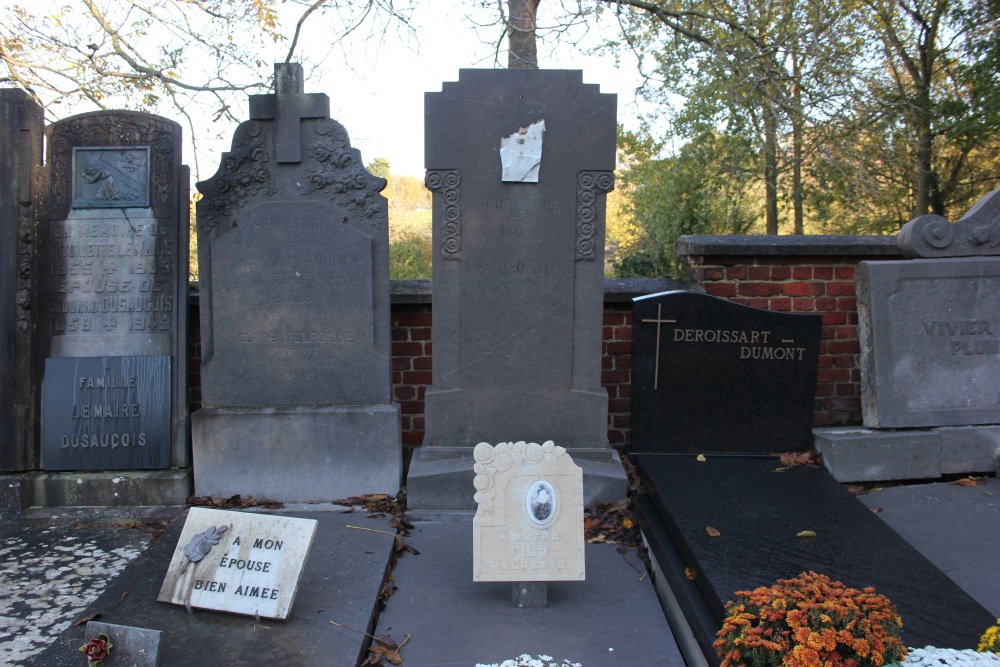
{"x": 541, "y": 500}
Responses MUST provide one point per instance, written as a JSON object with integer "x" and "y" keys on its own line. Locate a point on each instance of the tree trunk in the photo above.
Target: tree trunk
{"x": 522, "y": 52}
{"x": 771, "y": 168}
{"x": 797, "y": 149}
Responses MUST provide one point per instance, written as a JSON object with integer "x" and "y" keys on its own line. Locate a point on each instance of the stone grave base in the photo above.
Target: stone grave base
{"x": 611, "y": 619}
{"x": 118, "y": 489}
{"x": 301, "y": 454}
{"x": 341, "y": 582}
{"x": 439, "y": 480}
{"x": 758, "y": 512}
{"x": 857, "y": 454}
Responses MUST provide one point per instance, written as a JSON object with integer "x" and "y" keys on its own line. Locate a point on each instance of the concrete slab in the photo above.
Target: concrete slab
{"x": 956, "y": 527}
{"x": 341, "y": 582}
{"x": 612, "y": 619}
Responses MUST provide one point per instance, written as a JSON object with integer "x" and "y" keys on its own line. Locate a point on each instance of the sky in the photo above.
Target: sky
{"x": 379, "y": 97}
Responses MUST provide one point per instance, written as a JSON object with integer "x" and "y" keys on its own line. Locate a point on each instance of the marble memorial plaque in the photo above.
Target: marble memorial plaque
{"x": 238, "y": 562}
{"x": 930, "y": 342}
{"x": 130, "y": 646}
{"x": 106, "y": 413}
{"x": 529, "y": 521}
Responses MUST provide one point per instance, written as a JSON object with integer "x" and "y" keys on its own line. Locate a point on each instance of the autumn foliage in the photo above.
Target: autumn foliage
{"x": 990, "y": 641}
{"x": 810, "y": 621}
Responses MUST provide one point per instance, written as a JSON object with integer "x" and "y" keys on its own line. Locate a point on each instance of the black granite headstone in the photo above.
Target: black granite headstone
{"x": 21, "y": 131}
{"x": 519, "y": 162}
{"x": 106, "y": 413}
{"x": 709, "y": 375}
{"x": 293, "y": 251}
{"x": 113, "y": 247}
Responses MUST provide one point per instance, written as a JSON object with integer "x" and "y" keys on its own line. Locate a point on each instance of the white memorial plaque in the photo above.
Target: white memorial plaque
{"x": 529, "y": 523}
{"x": 238, "y": 562}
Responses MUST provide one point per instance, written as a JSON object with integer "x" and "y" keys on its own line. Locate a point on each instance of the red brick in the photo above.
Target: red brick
{"x": 401, "y": 363}
{"x": 607, "y": 333}
{"x": 781, "y": 272}
{"x": 833, "y": 375}
{"x": 712, "y": 274}
{"x": 759, "y": 289}
{"x": 823, "y": 272}
{"x": 802, "y": 272}
{"x": 624, "y": 390}
{"x": 723, "y": 290}
{"x": 843, "y": 404}
{"x": 824, "y": 390}
{"x": 607, "y": 363}
{"x": 843, "y": 360}
{"x": 411, "y": 407}
{"x": 405, "y": 392}
{"x": 825, "y": 360}
{"x": 623, "y": 362}
{"x": 420, "y": 333}
{"x": 417, "y": 377}
{"x": 844, "y": 272}
{"x": 623, "y": 332}
{"x": 846, "y": 389}
{"x": 759, "y": 273}
{"x": 780, "y": 304}
{"x": 418, "y": 423}
{"x": 411, "y": 319}
{"x": 400, "y": 333}
{"x": 612, "y": 318}
{"x": 834, "y": 318}
{"x": 847, "y": 304}
{"x": 826, "y": 304}
{"x": 616, "y": 437}
{"x": 620, "y": 405}
{"x": 614, "y": 377}
{"x": 413, "y": 438}
{"x": 421, "y": 392}
{"x": 422, "y": 364}
{"x": 622, "y": 421}
{"x": 804, "y": 289}
{"x": 619, "y": 347}
{"x": 840, "y": 289}
{"x": 804, "y": 304}
{"x": 404, "y": 422}
{"x": 736, "y": 273}
{"x": 845, "y": 333}
{"x": 844, "y": 347}
{"x": 407, "y": 349}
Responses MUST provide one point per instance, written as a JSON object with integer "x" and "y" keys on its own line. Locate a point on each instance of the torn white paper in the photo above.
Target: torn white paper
{"x": 521, "y": 154}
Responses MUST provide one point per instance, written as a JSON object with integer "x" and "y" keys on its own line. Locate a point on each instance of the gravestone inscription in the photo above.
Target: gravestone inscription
{"x": 709, "y": 375}
{"x": 294, "y": 261}
{"x": 930, "y": 341}
{"x": 529, "y": 521}
{"x": 113, "y": 268}
{"x": 238, "y": 562}
{"x": 518, "y": 273}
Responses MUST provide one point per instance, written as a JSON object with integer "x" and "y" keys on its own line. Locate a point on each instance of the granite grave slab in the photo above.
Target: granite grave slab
{"x": 21, "y": 132}
{"x": 238, "y": 562}
{"x": 132, "y": 647}
{"x": 113, "y": 259}
{"x": 930, "y": 342}
{"x": 529, "y": 522}
{"x": 519, "y": 163}
{"x": 709, "y": 375}
{"x": 294, "y": 261}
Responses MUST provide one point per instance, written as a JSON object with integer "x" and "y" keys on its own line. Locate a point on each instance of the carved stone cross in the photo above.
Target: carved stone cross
{"x": 288, "y": 106}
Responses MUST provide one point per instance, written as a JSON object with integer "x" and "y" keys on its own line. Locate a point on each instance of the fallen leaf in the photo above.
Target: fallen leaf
{"x": 810, "y": 458}
{"x": 712, "y": 532}
{"x": 690, "y": 573}
{"x": 701, "y": 458}
{"x": 805, "y": 533}
{"x": 875, "y": 510}
{"x": 87, "y": 619}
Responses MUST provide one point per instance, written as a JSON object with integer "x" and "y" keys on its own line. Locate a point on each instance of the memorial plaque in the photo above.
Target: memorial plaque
{"x": 106, "y": 413}
{"x": 238, "y": 562}
{"x": 930, "y": 342}
{"x": 131, "y": 647}
{"x": 529, "y": 521}
{"x": 709, "y": 375}
{"x": 113, "y": 247}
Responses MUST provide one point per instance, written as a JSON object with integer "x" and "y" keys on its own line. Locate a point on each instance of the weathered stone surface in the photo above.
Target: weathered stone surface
{"x": 529, "y": 521}
{"x": 976, "y": 233}
{"x": 294, "y": 265}
{"x": 113, "y": 251}
{"x": 21, "y": 131}
{"x": 238, "y": 562}
{"x": 930, "y": 342}
{"x": 518, "y": 266}
{"x": 132, "y": 647}
{"x": 855, "y": 454}
{"x": 709, "y": 375}
{"x": 106, "y": 413}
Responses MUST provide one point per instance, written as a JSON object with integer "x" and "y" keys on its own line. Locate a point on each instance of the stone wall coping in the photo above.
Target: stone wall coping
{"x": 788, "y": 246}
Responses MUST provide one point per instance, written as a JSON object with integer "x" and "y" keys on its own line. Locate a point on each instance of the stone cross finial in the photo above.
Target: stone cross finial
{"x": 288, "y": 106}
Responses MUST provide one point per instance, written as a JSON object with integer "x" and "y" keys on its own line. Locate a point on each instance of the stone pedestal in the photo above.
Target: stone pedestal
{"x": 297, "y": 454}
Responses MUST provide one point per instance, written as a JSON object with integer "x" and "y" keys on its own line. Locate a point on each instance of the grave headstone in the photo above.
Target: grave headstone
{"x": 529, "y": 519}
{"x": 131, "y": 647}
{"x": 238, "y": 562}
{"x": 113, "y": 248}
{"x": 710, "y": 375}
{"x": 976, "y": 233}
{"x": 718, "y": 390}
{"x": 519, "y": 163}
{"x": 294, "y": 264}
{"x": 930, "y": 341}
{"x": 21, "y": 131}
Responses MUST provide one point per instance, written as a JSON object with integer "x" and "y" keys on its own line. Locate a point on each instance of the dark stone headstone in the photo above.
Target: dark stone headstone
{"x": 106, "y": 413}
{"x": 294, "y": 267}
{"x": 519, "y": 162}
{"x": 709, "y": 375}
{"x": 113, "y": 248}
{"x": 930, "y": 342}
{"x": 21, "y": 131}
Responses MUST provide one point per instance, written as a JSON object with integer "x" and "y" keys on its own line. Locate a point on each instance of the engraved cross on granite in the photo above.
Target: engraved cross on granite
{"x": 288, "y": 106}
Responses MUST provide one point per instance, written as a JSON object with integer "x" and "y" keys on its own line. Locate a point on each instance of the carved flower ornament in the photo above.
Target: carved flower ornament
{"x": 201, "y": 544}
{"x": 97, "y": 649}
{"x": 490, "y": 460}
